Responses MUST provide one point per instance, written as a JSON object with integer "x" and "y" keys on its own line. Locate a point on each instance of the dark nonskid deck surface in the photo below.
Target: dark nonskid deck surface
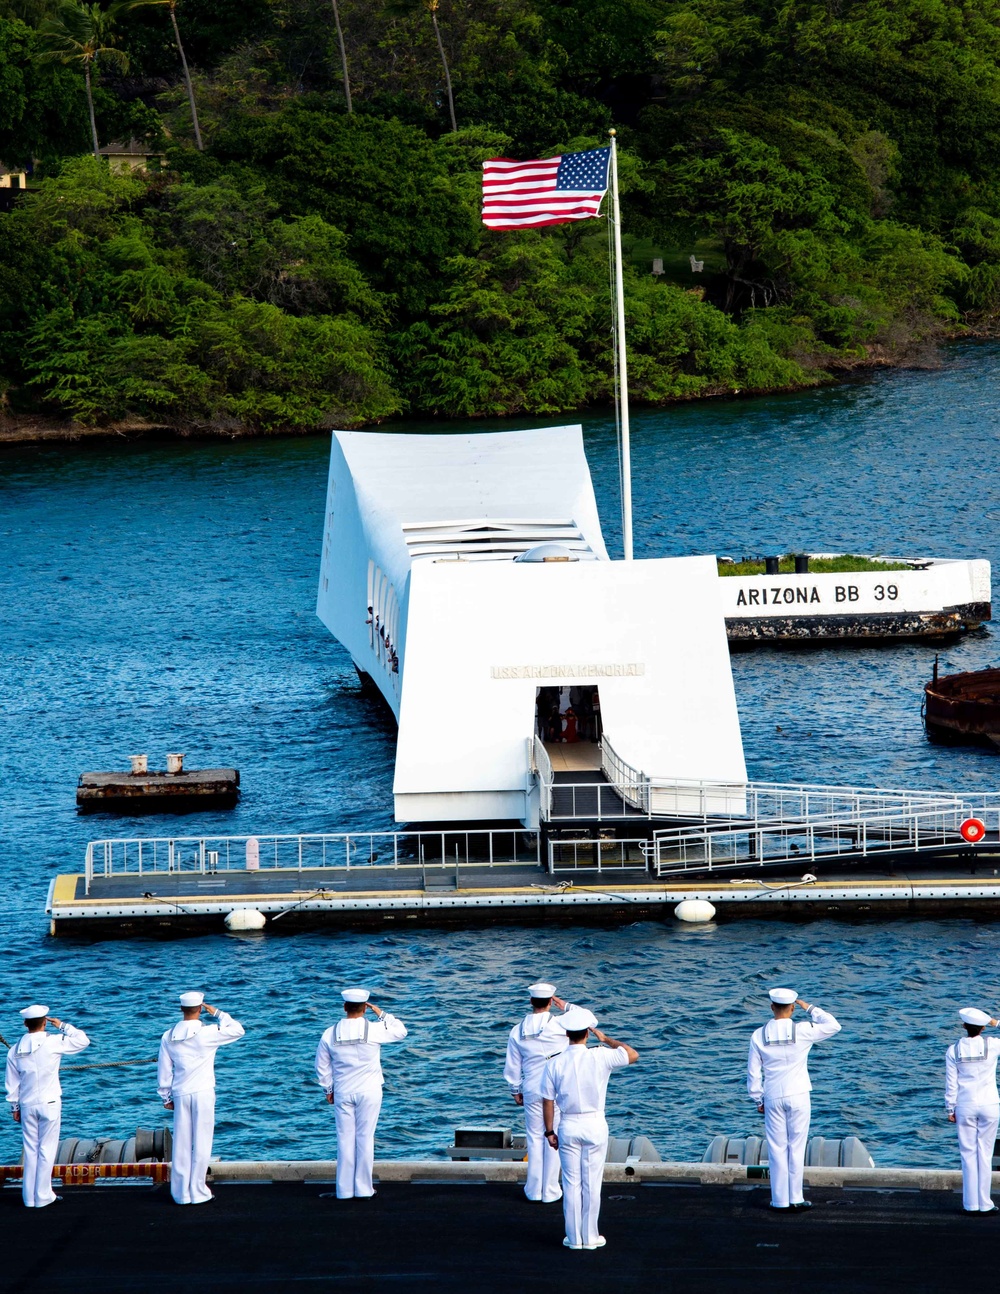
{"x": 461, "y": 1238}
{"x": 354, "y": 880}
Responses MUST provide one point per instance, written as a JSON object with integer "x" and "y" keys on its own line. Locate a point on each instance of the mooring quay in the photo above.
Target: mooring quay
{"x": 605, "y": 852}
{"x": 431, "y": 1228}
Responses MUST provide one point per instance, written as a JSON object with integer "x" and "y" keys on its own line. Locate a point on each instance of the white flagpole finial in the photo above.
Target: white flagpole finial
{"x": 620, "y": 342}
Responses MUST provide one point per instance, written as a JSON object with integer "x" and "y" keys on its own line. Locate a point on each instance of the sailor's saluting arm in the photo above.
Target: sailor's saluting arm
{"x": 823, "y": 1023}
{"x": 394, "y": 1029}
{"x": 226, "y": 1028}
{"x": 70, "y": 1039}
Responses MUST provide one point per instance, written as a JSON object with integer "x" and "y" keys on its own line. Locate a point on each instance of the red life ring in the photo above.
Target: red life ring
{"x": 973, "y": 830}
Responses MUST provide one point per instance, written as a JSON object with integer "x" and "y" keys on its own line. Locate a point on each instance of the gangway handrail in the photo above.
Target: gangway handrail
{"x": 208, "y": 853}
{"x": 931, "y": 827}
{"x": 722, "y": 803}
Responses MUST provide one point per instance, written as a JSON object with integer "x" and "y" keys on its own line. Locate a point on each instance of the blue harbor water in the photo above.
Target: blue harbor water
{"x": 159, "y": 597}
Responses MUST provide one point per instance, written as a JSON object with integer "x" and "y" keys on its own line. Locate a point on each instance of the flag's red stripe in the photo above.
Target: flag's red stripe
{"x": 533, "y": 224}
{"x": 508, "y": 163}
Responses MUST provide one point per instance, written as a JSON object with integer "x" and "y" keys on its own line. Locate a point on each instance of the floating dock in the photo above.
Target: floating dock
{"x": 429, "y": 1228}
{"x": 967, "y": 881}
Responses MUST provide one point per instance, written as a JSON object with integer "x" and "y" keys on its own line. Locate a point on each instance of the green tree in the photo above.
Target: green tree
{"x": 79, "y": 33}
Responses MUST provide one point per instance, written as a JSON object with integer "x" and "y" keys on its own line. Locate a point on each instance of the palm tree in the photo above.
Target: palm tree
{"x": 343, "y": 55}
{"x": 172, "y": 7}
{"x": 82, "y": 33}
{"x": 402, "y": 7}
{"x": 432, "y": 8}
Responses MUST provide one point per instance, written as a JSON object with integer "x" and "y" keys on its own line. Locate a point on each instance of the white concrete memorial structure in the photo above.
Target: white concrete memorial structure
{"x": 465, "y": 572}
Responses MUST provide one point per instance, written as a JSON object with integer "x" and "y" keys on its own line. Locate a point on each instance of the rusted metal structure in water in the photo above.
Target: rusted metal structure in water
{"x": 963, "y": 709}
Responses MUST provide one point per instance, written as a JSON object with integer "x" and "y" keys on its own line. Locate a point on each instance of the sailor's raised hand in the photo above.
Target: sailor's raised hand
{"x": 51, "y": 1019}
{"x": 560, "y": 1003}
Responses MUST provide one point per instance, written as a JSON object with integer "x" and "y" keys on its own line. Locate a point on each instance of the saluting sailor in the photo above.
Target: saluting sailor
{"x": 538, "y": 1038}
{"x": 33, "y": 1090}
{"x": 576, "y": 1083}
{"x": 973, "y": 1103}
{"x": 778, "y": 1082}
{"x": 349, "y": 1070}
{"x": 186, "y": 1083}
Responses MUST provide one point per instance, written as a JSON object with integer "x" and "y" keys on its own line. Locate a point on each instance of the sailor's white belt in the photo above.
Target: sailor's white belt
{"x": 581, "y": 1114}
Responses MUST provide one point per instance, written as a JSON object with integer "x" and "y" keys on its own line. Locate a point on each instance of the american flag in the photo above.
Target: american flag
{"x": 550, "y": 191}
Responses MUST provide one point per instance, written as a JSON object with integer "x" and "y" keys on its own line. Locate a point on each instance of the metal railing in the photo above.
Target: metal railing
{"x": 631, "y": 783}
{"x": 205, "y": 855}
{"x": 630, "y": 793}
{"x": 602, "y": 855}
{"x": 923, "y": 828}
{"x": 541, "y": 766}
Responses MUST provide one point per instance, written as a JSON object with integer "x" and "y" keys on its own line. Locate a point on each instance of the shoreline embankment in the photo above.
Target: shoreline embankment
{"x": 36, "y": 429}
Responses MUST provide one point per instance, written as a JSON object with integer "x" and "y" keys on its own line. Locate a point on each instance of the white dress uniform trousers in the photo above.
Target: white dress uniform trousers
{"x": 971, "y": 1095}
{"x": 531, "y": 1044}
{"x": 577, "y": 1081}
{"x": 32, "y": 1082}
{"x": 778, "y": 1078}
{"x": 349, "y": 1066}
{"x": 186, "y": 1076}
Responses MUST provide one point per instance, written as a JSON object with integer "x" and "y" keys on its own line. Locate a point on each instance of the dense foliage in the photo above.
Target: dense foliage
{"x": 834, "y": 167}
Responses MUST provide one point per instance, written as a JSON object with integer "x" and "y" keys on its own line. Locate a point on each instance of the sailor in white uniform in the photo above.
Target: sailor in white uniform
{"x": 576, "y": 1083}
{"x": 972, "y": 1102}
{"x": 186, "y": 1083}
{"x": 35, "y": 1096}
{"x": 538, "y": 1038}
{"x": 778, "y": 1083}
{"x": 349, "y": 1070}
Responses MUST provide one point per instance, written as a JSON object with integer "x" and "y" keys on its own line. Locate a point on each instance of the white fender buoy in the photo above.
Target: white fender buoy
{"x": 694, "y": 910}
{"x": 247, "y": 919}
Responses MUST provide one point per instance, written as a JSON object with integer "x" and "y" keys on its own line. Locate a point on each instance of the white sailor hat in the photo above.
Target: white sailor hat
{"x": 34, "y": 1012}
{"x": 355, "y": 994}
{"x": 576, "y": 1018}
{"x": 541, "y": 990}
{"x": 192, "y": 999}
{"x": 783, "y": 996}
{"x": 973, "y": 1015}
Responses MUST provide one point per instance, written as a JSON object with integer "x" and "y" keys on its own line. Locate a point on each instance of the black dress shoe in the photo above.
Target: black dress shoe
{"x": 780, "y": 1208}
{"x": 801, "y": 1206}
{"x": 985, "y": 1212}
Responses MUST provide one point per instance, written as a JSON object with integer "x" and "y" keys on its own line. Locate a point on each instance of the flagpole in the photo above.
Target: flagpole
{"x": 620, "y": 343}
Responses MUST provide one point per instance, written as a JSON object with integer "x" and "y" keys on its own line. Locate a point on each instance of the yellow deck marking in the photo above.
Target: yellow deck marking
{"x": 65, "y": 888}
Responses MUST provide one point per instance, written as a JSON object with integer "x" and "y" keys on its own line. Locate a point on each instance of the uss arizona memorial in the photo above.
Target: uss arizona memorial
{"x": 469, "y": 580}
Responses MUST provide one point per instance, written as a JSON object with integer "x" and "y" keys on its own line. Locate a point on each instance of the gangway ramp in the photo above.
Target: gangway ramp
{"x": 907, "y": 826}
